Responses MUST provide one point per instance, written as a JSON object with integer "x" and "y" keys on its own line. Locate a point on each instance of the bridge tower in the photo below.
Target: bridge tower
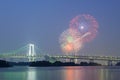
{"x": 31, "y": 52}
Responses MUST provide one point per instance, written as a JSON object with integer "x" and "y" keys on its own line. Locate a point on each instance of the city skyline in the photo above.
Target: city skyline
{"x": 42, "y": 22}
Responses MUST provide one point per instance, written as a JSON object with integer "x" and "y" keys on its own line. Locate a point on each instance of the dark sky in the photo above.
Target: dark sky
{"x": 42, "y": 21}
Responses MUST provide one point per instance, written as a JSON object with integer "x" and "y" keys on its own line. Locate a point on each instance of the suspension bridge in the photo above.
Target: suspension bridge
{"x": 29, "y": 53}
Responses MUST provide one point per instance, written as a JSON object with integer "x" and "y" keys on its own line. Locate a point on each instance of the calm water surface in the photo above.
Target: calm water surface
{"x": 60, "y": 73}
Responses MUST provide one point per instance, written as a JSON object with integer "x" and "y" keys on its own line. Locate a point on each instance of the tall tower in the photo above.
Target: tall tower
{"x": 31, "y": 52}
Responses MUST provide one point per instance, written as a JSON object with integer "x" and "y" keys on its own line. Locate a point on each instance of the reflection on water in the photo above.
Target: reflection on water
{"x": 60, "y": 73}
{"x": 73, "y": 74}
{"x": 109, "y": 73}
{"x": 31, "y": 73}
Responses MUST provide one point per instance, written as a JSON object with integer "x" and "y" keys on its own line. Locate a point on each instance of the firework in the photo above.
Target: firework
{"x": 86, "y": 25}
{"x": 70, "y": 41}
{"x": 82, "y": 28}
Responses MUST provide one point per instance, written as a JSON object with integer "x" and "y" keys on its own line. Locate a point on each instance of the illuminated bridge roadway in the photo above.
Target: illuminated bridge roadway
{"x": 32, "y": 55}
{"x": 58, "y": 57}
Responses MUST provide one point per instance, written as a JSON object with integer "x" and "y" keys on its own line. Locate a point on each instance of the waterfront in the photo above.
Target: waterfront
{"x": 60, "y": 73}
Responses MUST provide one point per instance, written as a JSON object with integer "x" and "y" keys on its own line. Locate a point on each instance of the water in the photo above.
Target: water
{"x": 60, "y": 73}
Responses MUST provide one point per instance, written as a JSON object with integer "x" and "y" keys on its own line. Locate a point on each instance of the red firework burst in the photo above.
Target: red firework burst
{"x": 86, "y": 25}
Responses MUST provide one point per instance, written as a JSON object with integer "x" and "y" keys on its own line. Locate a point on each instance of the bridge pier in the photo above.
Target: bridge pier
{"x": 91, "y": 60}
{"x": 31, "y": 58}
{"x": 71, "y": 60}
{"x": 110, "y": 63}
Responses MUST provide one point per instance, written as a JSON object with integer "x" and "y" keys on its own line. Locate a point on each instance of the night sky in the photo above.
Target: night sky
{"x": 42, "y": 21}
